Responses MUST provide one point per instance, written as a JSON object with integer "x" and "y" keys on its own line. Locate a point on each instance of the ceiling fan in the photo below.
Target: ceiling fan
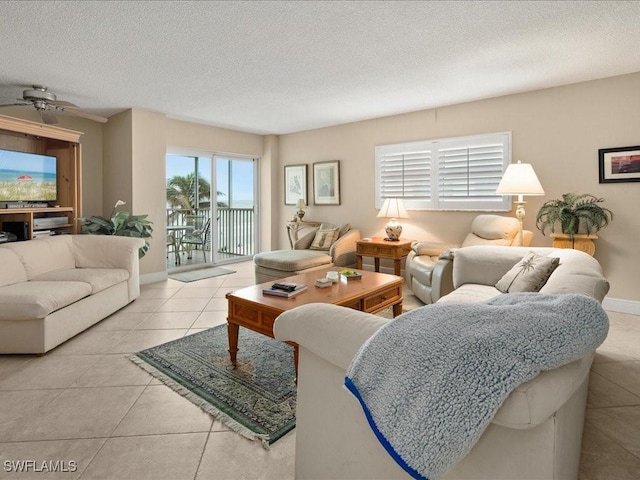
{"x": 48, "y": 105}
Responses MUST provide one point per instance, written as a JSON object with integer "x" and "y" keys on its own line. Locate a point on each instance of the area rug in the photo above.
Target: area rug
{"x": 200, "y": 274}
{"x": 257, "y": 399}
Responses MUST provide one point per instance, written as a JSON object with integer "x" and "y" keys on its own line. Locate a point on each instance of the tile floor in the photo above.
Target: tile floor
{"x": 84, "y": 402}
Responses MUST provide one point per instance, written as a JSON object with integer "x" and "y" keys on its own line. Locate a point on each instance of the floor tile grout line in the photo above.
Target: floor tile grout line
{"x": 612, "y": 440}
{"x": 615, "y": 383}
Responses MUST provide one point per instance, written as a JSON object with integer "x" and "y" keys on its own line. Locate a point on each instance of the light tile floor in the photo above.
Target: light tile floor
{"x": 85, "y": 402}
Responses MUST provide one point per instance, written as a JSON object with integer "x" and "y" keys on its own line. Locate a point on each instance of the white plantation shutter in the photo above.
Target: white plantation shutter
{"x": 404, "y": 171}
{"x": 448, "y": 174}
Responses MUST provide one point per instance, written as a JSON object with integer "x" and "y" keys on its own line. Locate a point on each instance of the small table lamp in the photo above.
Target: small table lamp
{"x": 300, "y": 205}
{"x": 393, "y": 208}
{"x": 520, "y": 179}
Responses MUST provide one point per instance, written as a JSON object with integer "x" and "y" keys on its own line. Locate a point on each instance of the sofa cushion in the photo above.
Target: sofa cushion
{"x": 471, "y": 293}
{"x": 99, "y": 278}
{"x": 11, "y": 270}
{"x": 29, "y": 300}
{"x": 292, "y": 260}
{"x": 45, "y": 255}
{"x": 324, "y": 238}
{"x": 529, "y": 274}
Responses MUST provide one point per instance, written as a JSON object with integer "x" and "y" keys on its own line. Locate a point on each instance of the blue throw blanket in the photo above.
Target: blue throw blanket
{"x": 431, "y": 380}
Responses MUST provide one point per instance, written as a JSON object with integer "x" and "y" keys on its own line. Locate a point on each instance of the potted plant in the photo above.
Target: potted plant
{"x": 575, "y": 214}
{"x": 120, "y": 223}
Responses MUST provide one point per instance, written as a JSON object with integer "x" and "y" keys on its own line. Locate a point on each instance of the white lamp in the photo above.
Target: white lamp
{"x": 393, "y": 208}
{"x": 300, "y": 205}
{"x": 520, "y": 179}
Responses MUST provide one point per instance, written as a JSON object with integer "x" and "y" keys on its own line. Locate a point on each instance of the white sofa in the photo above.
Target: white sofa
{"x": 428, "y": 267}
{"x": 55, "y": 287}
{"x": 536, "y": 434}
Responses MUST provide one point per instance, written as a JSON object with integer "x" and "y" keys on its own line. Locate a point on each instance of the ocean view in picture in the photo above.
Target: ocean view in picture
{"x": 27, "y": 177}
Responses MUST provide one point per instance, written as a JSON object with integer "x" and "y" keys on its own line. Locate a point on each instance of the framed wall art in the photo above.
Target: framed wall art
{"x": 326, "y": 183}
{"x": 620, "y": 164}
{"x": 295, "y": 184}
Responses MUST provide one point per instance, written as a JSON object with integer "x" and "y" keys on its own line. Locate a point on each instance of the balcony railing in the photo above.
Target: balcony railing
{"x": 233, "y": 228}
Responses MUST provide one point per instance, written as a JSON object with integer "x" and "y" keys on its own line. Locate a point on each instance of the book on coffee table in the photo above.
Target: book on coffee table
{"x": 285, "y": 289}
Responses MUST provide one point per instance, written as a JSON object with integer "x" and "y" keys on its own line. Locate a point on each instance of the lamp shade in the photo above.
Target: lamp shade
{"x": 393, "y": 208}
{"x": 301, "y": 203}
{"x": 519, "y": 179}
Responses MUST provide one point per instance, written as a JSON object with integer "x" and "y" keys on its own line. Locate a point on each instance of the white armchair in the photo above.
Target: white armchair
{"x": 429, "y": 265}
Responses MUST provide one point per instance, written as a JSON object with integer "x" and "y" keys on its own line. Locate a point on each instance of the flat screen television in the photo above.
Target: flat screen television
{"x": 27, "y": 177}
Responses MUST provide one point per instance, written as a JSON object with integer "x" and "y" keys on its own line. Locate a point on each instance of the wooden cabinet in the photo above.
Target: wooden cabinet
{"x": 33, "y": 137}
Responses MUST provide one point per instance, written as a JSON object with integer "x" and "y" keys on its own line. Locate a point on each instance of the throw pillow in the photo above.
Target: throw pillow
{"x": 529, "y": 274}
{"x": 324, "y": 238}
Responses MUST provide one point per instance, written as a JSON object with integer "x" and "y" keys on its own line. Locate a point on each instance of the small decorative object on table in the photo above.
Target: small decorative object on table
{"x": 285, "y": 289}
{"x": 323, "y": 282}
{"x": 349, "y": 274}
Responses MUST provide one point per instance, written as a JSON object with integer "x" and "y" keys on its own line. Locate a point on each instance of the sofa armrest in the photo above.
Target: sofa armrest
{"x": 432, "y": 249}
{"x": 331, "y": 332}
{"x": 107, "y": 251}
{"x": 343, "y": 251}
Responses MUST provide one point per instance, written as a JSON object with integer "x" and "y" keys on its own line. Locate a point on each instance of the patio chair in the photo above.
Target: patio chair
{"x": 199, "y": 237}
{"x": 173, "y": 245}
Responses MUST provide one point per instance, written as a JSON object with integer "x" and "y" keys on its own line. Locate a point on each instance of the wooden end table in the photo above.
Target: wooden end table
{"x": 378, "y": 248}
{"x": 250, "y": 308}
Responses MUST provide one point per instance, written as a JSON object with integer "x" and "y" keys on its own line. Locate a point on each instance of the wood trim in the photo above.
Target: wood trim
{"x": 38, "y": 129}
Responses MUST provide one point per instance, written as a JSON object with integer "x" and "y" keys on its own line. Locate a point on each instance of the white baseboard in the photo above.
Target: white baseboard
{"x": 153, "y": 277}
{"x": 621, "y": 305}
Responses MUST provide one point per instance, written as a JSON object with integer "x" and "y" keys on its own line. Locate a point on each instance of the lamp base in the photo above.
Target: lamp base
{"x": 393, "y": 230}
{"x": 300, "y": 214}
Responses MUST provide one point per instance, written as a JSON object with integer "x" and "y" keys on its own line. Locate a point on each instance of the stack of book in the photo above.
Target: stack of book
{"x": 285, "y": 289}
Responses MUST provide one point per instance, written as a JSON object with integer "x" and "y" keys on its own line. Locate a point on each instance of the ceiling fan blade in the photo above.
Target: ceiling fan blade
{"x": 48, "y": 117}
{"x": 79, "y": 113}
{"x": 62, "y": 103}
{"x": 14, "y": 104}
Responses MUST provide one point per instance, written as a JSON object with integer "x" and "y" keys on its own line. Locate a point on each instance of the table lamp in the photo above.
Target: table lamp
{"x": 520, "y": 179}
{"x": 301, "y": 205}
{"x": 393, "y": 208}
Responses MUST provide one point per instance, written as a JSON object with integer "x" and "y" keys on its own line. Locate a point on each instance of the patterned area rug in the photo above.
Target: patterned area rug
{"x": 257, "y": 399}
{"x": 200, "y": 274}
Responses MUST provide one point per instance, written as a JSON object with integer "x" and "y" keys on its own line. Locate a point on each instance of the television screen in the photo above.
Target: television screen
{"x": 27, "y": 177}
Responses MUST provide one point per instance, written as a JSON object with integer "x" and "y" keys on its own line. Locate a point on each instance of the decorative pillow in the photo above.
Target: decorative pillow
{"x": 324, "y": 238}
{"x": 529, "y": 274}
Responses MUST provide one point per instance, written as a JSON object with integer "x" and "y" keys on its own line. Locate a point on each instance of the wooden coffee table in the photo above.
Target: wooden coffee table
{"x": 250, "y": 308}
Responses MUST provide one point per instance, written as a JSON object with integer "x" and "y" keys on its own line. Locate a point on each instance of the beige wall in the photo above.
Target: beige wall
{"x": 558, "y": 130}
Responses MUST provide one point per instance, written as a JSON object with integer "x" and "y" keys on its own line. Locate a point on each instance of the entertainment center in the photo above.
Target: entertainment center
{"x": 33, "y": 216}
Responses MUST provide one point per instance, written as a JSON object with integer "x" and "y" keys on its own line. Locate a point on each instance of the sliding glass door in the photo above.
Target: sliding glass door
{"x": 235, "y": 209}
{"x": 202, "y": 228}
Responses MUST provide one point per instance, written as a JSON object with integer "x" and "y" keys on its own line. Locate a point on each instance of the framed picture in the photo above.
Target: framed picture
{"x": 620, "y": 164}
{"x": 326, "y": 183}
{"x": 295, "y": 184}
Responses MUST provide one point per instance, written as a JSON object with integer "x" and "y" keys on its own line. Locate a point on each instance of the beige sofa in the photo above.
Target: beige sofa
{"x": 55, "y": 287}
{"x": 429, "y": 265}
{"x": 536, "y": 434}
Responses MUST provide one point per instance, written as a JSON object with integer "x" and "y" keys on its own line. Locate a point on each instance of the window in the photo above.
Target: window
{"x": 448, "y": 174}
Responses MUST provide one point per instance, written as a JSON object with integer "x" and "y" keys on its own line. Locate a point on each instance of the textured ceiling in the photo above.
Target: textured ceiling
{"x": 280, "y": 67}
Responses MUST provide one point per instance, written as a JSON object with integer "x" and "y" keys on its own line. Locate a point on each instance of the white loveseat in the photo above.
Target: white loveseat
{"x": 536, "y": 434}
{"x": 54, "y": 288}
